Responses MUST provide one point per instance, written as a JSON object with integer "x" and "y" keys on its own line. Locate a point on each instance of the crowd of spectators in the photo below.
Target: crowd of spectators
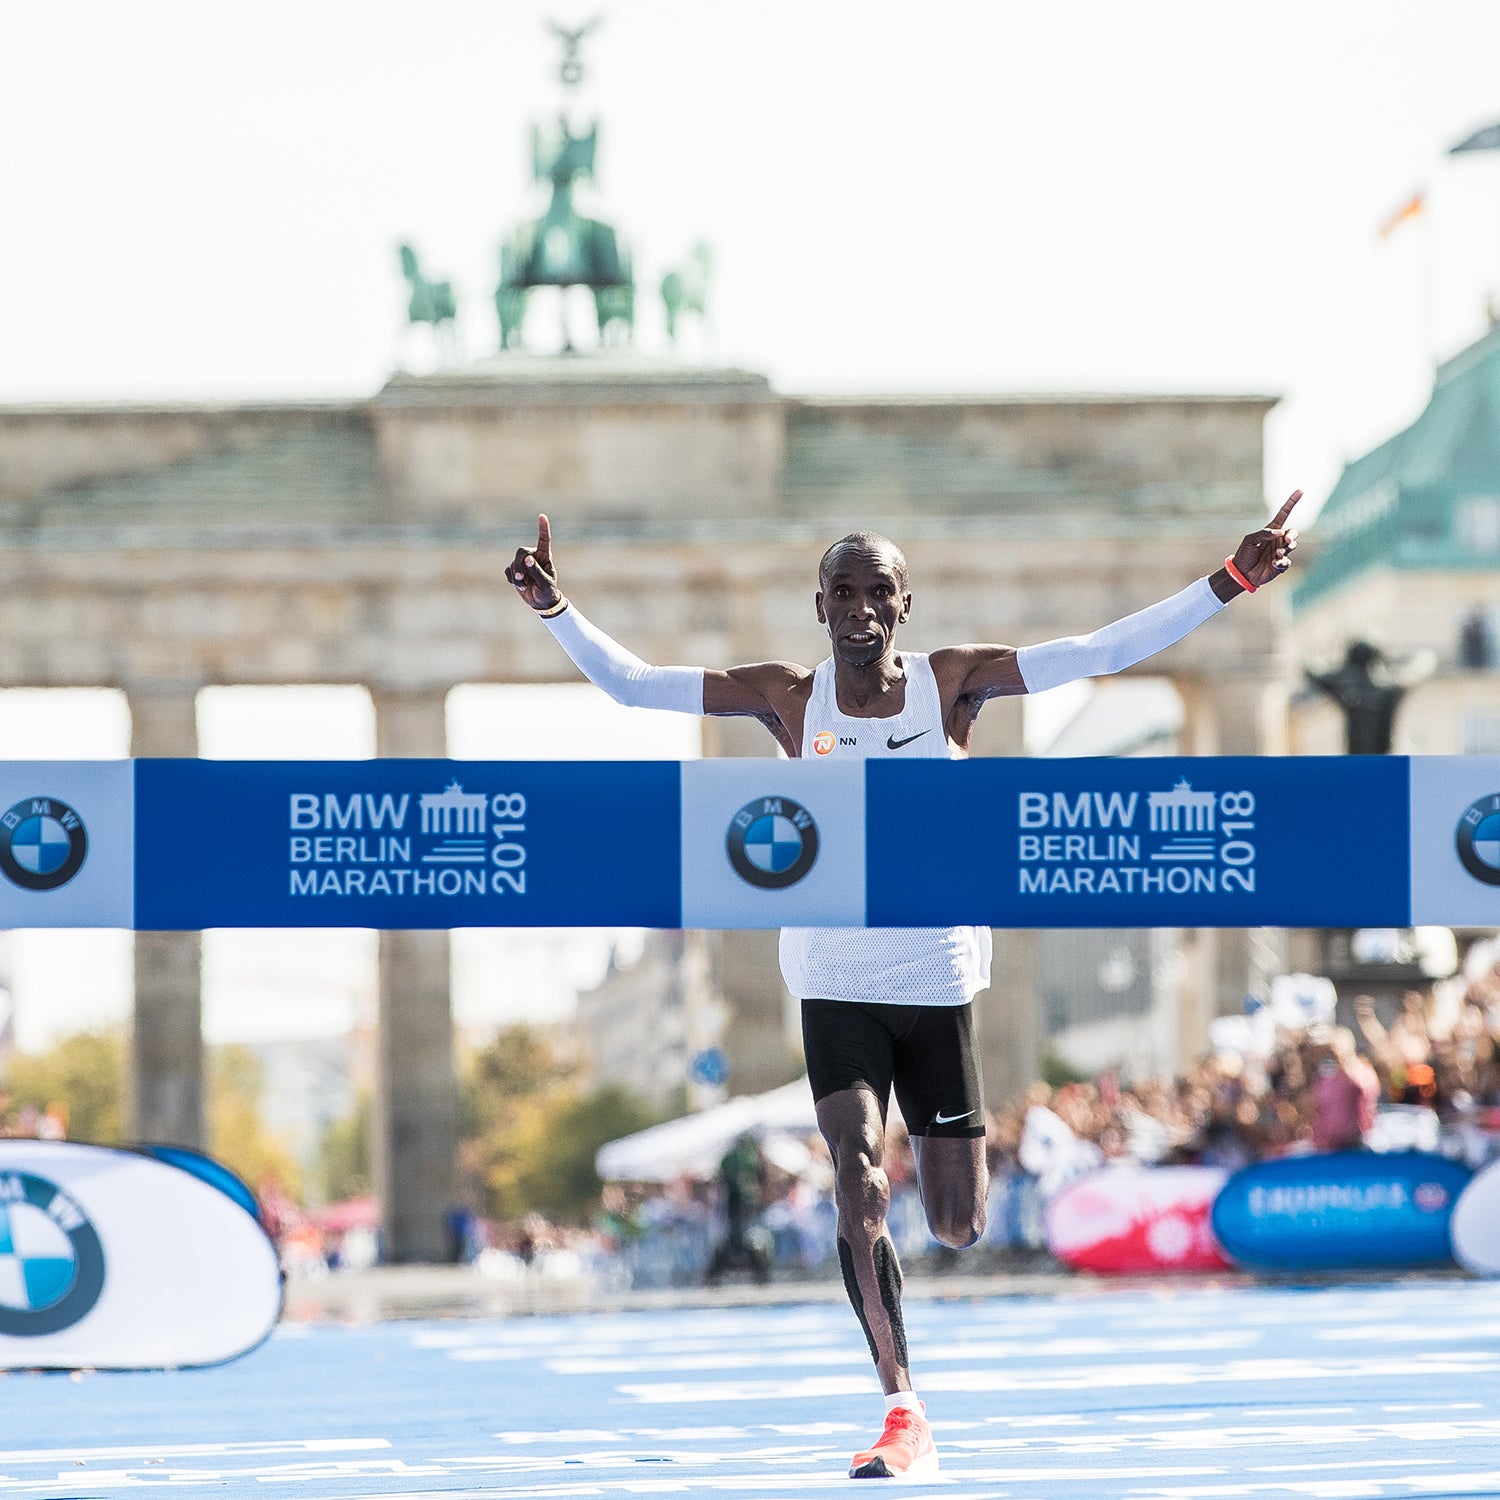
{"x": 27, "y": 1122}
{"x": 1430, "y": 1077}
{"x": 1427, "y": 1076}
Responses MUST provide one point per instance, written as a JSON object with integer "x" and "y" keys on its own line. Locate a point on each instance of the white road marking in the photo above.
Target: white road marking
{"x": 853, "y": 1352}
{"x": 91, "y": 1455}
{"x": 992, "y": 1370}
{"x": 1103, "y": 1377}
{"x": 1447, "y": 1485}
{"x": 1414, "y": 1333}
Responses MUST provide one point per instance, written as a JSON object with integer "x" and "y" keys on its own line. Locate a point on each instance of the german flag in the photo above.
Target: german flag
{"x": 1408, "y": 210}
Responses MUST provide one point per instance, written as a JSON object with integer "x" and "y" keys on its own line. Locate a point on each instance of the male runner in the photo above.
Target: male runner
{"x": 890, "y": 1007}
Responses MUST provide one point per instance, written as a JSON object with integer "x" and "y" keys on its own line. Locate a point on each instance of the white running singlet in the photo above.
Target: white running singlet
{"x": 883, "y": 965}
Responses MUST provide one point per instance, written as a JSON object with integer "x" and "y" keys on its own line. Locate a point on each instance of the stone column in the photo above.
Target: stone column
{"x": 761, "y": 1030}
{"x": 1228, "y": 716}
{"x": 166, "y": 1091}
{"x": 1233, "y": 715}
{"x": 1008, "y": 1014}
{"x": 414, "y": 1149}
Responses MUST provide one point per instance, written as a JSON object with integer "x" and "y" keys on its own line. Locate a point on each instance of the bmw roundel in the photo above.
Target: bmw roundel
{"x": 1478, "y": 839}
{"x": 51, "y": 1261}
{"x": 42, "y": 843}
{"x": 772, "y": 842}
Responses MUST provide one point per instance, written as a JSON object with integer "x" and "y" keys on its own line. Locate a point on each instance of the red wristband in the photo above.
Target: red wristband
{"x": 1238, "y": 577}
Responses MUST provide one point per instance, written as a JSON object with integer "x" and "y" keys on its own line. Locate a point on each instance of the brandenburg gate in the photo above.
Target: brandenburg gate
{"x": 161, "y": 549}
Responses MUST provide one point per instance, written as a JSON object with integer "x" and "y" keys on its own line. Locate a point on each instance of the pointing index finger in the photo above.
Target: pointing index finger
{"x": 1279, "y": 519}
{"x": 544, "y": 540}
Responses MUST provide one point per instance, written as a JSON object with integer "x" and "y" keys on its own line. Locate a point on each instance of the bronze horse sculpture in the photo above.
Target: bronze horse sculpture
{"x": 684, "y": 289}
{"x": 563, "y": 248}
{"x": 432, "y": 302}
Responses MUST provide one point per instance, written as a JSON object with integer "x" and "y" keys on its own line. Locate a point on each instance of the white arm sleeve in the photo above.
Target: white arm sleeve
{"x": 625, "y": 677}
{"x": 1117, "y": 646}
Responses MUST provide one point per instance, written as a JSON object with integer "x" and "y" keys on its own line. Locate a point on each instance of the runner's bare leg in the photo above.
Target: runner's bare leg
{"x": 851, "y": 1124}
{"x": 954, "y": 1181}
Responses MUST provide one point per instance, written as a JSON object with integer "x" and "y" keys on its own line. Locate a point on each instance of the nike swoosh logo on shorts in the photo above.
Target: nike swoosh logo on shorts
{"x": 941, "y": 1119}
{"x": 892, "y": 743}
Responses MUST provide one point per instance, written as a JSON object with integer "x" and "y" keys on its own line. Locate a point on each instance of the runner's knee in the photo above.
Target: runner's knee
{"x": 864, "y": 1190}
{"x": 957, "y": 1225}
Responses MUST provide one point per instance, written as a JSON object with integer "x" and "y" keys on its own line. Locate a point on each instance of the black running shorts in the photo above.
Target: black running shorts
{"x": 926, "y": 1052}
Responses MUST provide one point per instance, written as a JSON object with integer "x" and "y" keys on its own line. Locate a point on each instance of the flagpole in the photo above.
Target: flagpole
{"x": 1485, "y": 139}
{"x": 1429, "y": 276}
{"x": 1415, "y": 208}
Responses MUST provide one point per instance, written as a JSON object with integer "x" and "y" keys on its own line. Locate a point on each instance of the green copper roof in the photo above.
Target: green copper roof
{"x": 1426, "y": 499}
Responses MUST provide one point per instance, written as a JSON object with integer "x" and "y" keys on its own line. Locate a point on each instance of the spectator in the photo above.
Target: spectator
{"x": 1343, "y": 1096}
{"x": 1476, "y": 641}
{"x": 742, "y": 1173}
{"x": 618, "y": 1224}
{"x": 1405, "y": 1044}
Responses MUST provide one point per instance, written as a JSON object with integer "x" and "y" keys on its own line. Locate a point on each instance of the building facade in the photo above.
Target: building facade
{"x": 1406, "y": 556}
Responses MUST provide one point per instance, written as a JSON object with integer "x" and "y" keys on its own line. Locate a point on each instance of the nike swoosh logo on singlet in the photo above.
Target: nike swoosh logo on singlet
{"x": 892, "y": 743}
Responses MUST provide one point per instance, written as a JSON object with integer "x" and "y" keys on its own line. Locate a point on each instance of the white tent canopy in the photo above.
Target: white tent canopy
{"x": 694, "y": 1145}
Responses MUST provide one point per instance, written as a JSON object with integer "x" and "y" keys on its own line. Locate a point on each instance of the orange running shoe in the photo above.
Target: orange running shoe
{"x": 905, "y": 1449}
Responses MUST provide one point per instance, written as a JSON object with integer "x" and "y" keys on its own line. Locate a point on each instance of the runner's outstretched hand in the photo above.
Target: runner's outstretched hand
{"x": 532, "y": 572}
{"x": 1267, "y": 553}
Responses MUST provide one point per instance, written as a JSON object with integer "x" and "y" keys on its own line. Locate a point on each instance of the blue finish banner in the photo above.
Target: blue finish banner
{"x": 1223, "y": 842}
{"x": 1376, "y": 841}
{"x": 405, "y": 844}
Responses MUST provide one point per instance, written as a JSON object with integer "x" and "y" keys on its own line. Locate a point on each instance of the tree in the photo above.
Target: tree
{"x": 237, "y": 1135}
{"x": 85, "y": 1074}
{"x": 519, "y": 1064}
{"x": 554, "y": 1162}
{"x": 530, "y": 1133}
{"x": 344, "y": 1155}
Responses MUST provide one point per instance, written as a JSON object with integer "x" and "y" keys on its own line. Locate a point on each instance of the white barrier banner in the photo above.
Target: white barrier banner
{"x": 769, "y": 843}
{"x": 113, "y": 1260}
{"x": 1455, "y": 841}
{"x": 67, "y": 843}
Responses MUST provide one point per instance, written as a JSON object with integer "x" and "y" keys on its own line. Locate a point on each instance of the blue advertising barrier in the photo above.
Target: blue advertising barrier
{"x": 214, "y": 1173}
{"x": 1348, "y": 1209}
{"x": 1206, "y": 842}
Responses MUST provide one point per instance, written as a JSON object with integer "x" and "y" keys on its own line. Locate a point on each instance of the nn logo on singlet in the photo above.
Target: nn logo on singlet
{"x": 772, "y": 842}
{"x": 825, "y": 740}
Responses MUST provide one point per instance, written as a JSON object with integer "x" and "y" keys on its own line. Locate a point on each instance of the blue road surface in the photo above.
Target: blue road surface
{"x": 1160, "y": 1394}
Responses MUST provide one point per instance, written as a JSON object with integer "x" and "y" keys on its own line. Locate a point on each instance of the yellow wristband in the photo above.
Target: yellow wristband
{"x": 554, "y": 610}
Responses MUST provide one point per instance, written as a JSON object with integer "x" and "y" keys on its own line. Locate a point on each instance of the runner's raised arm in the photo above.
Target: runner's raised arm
{"x": 968, "y": 675}
{"x": 767, "y": 691}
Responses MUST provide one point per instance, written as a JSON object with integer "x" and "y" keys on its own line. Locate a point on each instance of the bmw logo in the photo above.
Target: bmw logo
{"x": 42, "y": 843}
{"x": 51, "y": 1261}
{"x": 1479, "y": 839}
{"x": 772, "y": 842}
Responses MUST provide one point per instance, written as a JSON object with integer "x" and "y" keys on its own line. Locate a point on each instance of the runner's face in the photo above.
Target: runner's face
{"x": 862, "y": 601}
